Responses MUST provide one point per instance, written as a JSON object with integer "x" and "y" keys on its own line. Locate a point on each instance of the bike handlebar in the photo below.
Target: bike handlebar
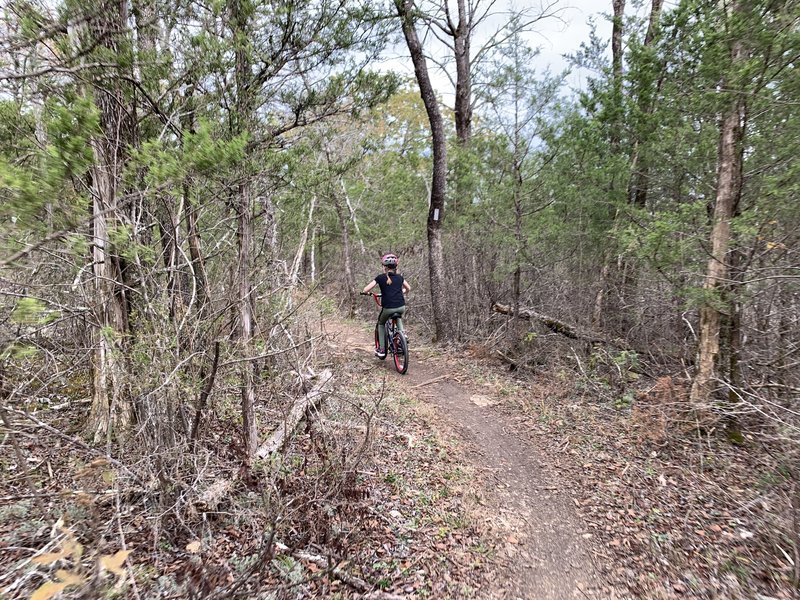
{"x": 376, "y": 296}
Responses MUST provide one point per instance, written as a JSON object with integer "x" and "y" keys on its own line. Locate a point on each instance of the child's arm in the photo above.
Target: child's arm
{"x": 369, "y": 286}
{"x": 406, "y": 287}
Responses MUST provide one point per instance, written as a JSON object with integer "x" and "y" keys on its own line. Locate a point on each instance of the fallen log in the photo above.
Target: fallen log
{"x": 560, "y": 327}
{"x": 277, "y": 440}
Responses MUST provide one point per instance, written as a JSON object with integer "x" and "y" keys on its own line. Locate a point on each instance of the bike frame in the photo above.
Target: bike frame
{"x": 391, "y": 332}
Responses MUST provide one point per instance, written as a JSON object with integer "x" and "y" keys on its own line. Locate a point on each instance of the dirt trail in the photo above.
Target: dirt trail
{"x": 546, "y": 556}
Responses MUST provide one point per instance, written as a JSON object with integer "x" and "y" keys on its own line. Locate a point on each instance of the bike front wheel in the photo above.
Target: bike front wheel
{"x": 400, "y": 353}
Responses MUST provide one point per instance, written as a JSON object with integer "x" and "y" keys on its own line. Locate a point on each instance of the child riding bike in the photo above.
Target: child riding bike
{"x": 393, "y": 302}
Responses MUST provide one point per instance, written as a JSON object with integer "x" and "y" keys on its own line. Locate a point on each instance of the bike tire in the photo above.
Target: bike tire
{"x": 378, "y": 341}
{"x": 400, "y": 353}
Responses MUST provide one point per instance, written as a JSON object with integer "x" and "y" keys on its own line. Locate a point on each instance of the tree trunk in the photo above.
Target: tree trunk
{"x": 109, "y": 405}
{"x": 729, "y": 184}
{"x": 349, "y": 280}
{"x": 600, "y": 296}
{"x": 518, "y": 181}
{"x": 197, "y": 264}
{"x": 297, "y": 263}
{"x": 463, "y": 98}
{"x": 640, "y": 170}
{"x": 607, "y": 272}
{"x": 616, "y": 69}
{"x": 405, "y": 9}
{"x": 244, "y": 107}
{"x": 616, "y": 40}
{"x": 111, "y": 409}
{"x": 244, "y": 235}
{"x": 731, "y": 320}
{"x": 313, "y": 258}
{"x": 352, "y": 212}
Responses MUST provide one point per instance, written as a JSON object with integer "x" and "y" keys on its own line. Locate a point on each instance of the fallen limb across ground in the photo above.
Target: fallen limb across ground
{"x": 565, "y": 329}
{"x": 278, "y": 438}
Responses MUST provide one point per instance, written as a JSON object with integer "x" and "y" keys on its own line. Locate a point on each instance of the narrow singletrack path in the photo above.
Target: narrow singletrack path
{"x": 546, "y": 556}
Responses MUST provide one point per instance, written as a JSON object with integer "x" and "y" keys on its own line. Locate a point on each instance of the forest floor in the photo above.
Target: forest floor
{"x": 456, "y": 480}
{"x": 537, "y": 544}
{"x": 573, "y": 496}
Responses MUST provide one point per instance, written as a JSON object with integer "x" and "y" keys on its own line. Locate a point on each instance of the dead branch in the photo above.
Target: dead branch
{"x": 342, "y": 575}
{"x": 430, "y": 381}
{"x": 74, "y": 441}
{"x": 201, "y": 402}
{"x": 334, "y": 569}
{"x": 567, "y": 330}
{"x": 278, "y": 439}
{"x": 23, "y": 466}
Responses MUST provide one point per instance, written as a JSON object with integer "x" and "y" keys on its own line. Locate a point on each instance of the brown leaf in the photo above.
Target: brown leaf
{"x": 114, "y": 562}
{"x": 47, "y": 590}
{"x": 49, "y": 558}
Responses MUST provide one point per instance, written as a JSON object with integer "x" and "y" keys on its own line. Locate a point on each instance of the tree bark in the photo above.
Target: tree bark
{"x": 297, "y": 263}
{"x": 442, "y": 330}
{"x": 640, "y": 170}
{"x": 244, "y": 235}
{"x": 111, "y": 409}
{"x": 729, "y": 185}
{"x": 349, "y": 280}
{"x": 244, "y": 231}
{"x": 609, "y": 258}
{"x": 280, "y": 436}
{"x": 561, "y": 327}
{"x": 463, "y": 97}
{"x": 616, "y": 40}
{"x": 616, "y": 69}
{"x": 352, "y": 212}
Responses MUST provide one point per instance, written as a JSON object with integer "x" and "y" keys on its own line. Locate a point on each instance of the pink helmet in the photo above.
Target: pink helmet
{"x": 389, "y": 260}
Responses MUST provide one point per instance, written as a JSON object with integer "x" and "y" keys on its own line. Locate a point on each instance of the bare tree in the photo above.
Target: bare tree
{"x": 406, "y": 10}
{"x": 245, "y": 109}
{"x": 729, "y": 188}
{"x": 458, "y": 34}
{"x": 111, "y": 408}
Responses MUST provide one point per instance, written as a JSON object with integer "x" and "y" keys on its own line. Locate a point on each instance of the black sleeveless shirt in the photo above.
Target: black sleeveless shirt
{"x": 391, "y": 295}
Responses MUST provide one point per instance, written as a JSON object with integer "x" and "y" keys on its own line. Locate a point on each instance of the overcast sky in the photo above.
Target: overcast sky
{"x": 555, "y": 37}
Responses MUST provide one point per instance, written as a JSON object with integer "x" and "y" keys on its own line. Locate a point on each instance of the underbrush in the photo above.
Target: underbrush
{"x": 364, "y": 499}
{"x": 684, "y": 501}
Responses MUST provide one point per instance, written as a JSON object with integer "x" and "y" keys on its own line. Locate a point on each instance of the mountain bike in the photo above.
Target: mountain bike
{"x": 396, "y": 342}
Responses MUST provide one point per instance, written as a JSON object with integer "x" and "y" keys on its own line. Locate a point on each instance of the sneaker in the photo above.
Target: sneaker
{"x": 380, "y": 353}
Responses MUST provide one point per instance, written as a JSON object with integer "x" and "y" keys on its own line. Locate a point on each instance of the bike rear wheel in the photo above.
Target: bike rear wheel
{"x": 400, "y": 353}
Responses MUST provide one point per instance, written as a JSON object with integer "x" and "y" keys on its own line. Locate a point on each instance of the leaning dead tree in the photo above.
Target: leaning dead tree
{"x": 566, "y": 329}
